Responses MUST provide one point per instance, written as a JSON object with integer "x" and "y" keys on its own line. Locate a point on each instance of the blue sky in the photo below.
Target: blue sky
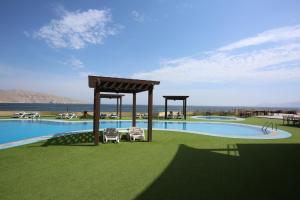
{"x": 218, "y": 52}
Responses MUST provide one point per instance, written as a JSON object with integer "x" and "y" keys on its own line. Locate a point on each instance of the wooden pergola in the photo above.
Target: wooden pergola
{"x": 121, "y": 85}
{"x": 183, "y": 98}
{"x": 119, "y": 101}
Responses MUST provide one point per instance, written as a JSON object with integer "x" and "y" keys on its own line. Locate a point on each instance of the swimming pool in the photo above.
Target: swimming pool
{"x": 16, "y": 130}
{"x": 220, "y": 118}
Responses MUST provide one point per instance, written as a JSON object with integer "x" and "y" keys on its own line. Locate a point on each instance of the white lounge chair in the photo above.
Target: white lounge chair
{"x": 26, "y": 115}
{"x": 103, "y": 115}
{"x": 62, "y": 115}
{"x": 136, "y": 133}
{"x": 33, "y": 115}
{"x": 111, "y": 134}
{"x": 71, "y": 116}
{"x": 66, "y": 116}
{"x": 179, "y": 115}
{"x": 170, "y": 115}
{"x": 19, "y": 115}
{"x": 113, "y": 116}
{"x": 145, "y": 116}
{"x": 139, "y": 115}
{"x": 161, "y": 115}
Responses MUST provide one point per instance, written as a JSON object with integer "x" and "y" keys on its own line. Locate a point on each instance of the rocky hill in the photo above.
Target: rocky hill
{"x": 22, "y": 96}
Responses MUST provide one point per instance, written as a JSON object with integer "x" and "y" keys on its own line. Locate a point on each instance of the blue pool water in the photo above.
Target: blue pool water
{"x": 14, "y": 130}
{"x": 220, "y": 118}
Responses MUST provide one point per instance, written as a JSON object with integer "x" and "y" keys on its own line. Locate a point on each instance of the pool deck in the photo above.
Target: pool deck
{"x": 23, "y": 142}
{"x": 270, "y": 117}
{"x": 229, "y": 118}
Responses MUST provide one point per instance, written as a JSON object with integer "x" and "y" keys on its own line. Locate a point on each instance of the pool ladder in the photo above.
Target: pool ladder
{"x": 269, "y": 124}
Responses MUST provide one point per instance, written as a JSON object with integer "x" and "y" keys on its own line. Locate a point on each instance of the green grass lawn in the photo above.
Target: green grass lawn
{"x": 174, "y": 166}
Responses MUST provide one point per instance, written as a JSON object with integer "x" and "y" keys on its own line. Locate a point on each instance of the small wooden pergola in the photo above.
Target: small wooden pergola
{"x": 119, "y": 101}
{"x": 183, "y": 98}
{"x": 121, "y": 85}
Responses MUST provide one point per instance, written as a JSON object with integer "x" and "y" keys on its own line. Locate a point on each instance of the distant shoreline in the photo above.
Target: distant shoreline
{"x": 74, "y": 107}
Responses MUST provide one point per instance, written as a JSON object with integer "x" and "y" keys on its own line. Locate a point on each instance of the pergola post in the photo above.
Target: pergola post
{"x": 166, "y": 107}
{"x": 120, "y": 115}
{"x": 150, "y": 109}
{"x": 133, "y": 109}
{"x": 184, "y": 109}
{"x": 96, "y": 123}
{"x": 117, "y": 106}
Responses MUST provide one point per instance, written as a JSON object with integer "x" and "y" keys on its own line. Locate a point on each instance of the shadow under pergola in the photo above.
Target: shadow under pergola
{"x": 71, "y": 139}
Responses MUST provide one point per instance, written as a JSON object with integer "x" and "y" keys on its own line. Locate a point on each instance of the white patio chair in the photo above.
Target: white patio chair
{"x": 136, "y": 133}
{"x": 111, "y": 134}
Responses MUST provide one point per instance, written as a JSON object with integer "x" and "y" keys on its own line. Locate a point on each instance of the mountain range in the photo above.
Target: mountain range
{"x": 24, "y": 96}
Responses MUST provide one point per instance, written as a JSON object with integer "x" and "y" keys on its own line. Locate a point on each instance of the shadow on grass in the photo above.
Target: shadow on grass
{"x": 75, "y": 139}
{"x": 243, "y": 171}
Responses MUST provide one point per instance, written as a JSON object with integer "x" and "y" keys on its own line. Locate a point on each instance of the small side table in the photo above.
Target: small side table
{"x": 123, "y": 132}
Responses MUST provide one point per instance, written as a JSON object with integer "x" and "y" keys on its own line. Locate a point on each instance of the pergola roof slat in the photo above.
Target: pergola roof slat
{"x": 176, "y": 97}
{"x": 122, "y": 85}
{"x": 111, "y": 96}
{"x": 106, "y": 84}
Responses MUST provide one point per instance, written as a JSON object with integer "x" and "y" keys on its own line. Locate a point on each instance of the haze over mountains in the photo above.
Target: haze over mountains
{"x": 295, "y": 104}
{"x": 23, "y": 96}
